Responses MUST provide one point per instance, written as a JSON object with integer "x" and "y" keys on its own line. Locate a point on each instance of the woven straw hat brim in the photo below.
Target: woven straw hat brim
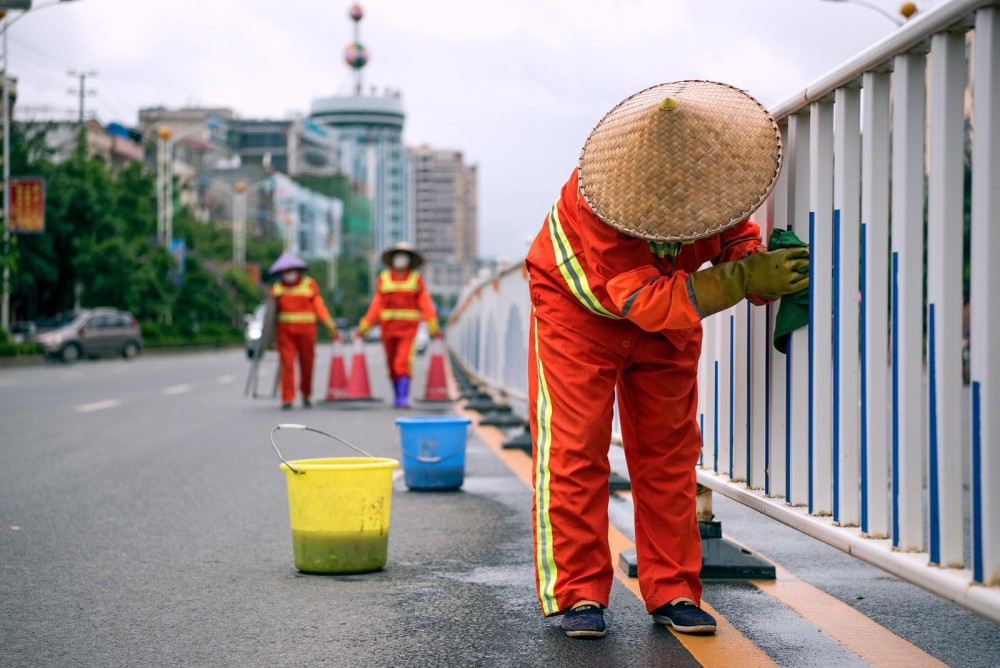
{"x": 680, "y": 161}
{"x": 416, "y": 259}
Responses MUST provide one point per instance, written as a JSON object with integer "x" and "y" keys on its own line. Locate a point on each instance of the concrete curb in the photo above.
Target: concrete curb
{"x": 15, "y": 361}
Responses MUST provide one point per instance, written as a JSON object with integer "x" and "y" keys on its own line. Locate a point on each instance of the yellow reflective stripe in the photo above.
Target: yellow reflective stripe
{"x": 411, "y": 284}
{"x": 570, "y": 267}
{"x": 544, "y": 556}
{"x": 662, "y": 249}
{"x": 296, "y": 317}
{"x": 399, "y": 314}
{"x": 303, "y": 289}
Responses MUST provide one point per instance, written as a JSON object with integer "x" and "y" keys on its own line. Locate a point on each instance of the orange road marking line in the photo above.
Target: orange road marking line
{"x": 853, "y": 629}
{"x": 717, "y": 650}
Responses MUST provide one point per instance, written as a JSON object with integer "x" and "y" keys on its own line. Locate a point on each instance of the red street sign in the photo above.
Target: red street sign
{"x": 27, "y": 206}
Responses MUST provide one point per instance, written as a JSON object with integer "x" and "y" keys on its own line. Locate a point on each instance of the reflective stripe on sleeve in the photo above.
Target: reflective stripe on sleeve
{"x": 571, "y": 270}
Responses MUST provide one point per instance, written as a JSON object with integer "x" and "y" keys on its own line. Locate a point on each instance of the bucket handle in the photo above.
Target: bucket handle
{"x": 428, "y": 460}
{"x": 302, "y": 427}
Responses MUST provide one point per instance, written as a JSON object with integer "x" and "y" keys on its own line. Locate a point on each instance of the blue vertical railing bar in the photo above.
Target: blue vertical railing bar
{"x": 977, "y": 488}
{"x": 767, "y": 400}
{"x": 715, "y": 406}
{"x": 812, "y": 361}
{"x": 732, "y": 383}
{"x": 836, "y": 365}
{"x": 932, "y": 462}
{"x": 895, "y": 400}
{"x": 864, "y": 379}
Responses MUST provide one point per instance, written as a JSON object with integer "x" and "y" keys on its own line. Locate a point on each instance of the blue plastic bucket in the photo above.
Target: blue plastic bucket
{"x": 433, "y": 450}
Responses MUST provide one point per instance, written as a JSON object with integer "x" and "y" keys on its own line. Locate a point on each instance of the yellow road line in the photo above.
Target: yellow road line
{"x": 853, "y": 629}
{"x": 718, "y": 650}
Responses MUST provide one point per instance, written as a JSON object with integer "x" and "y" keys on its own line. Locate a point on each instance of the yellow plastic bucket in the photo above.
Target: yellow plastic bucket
{"x": 339, "y": 510}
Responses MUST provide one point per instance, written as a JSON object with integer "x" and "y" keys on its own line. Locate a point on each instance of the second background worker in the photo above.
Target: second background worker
{"x": 401, "y": 301}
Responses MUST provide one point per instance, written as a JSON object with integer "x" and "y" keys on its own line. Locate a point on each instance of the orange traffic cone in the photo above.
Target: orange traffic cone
{"x": 358, "y": 387}
{"x": 336, "y": 388}
{"x": 437, "y": 384}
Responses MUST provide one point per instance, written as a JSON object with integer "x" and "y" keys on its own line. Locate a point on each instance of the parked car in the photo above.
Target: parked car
{"x": 254, "y": 329}
{"x": 91, "y": 333}
{"x": 22, "y": 330}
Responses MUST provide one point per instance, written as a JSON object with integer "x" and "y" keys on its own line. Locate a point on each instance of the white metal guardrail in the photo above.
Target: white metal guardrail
{"x": 864, "y": 435}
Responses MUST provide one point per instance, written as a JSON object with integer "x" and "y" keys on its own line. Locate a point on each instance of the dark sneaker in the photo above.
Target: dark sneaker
{"x": 286, "y": 407}
{"x": 685, "y": 617}
{"x": 306, "y": 403}
{"x": 586, "y": 621}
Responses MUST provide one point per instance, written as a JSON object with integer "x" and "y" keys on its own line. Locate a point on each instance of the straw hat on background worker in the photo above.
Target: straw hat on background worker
{"x": 681, "y": 160}
{"x": 416, "y": 259}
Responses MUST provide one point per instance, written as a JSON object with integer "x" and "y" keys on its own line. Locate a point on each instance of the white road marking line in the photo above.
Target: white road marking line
{"x": 225, "y": 380}
{"x": 98, "y": 406}
{"x": 177, "y": 389}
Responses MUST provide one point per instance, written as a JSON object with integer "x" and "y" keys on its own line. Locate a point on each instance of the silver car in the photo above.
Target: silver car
{"x": 91, "y": 333}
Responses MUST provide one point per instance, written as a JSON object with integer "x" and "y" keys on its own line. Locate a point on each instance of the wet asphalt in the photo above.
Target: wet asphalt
{"x": 144, "y": 522}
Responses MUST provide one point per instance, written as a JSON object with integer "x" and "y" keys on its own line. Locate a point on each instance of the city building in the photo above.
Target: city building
{"x": 114, "y": 144}
{"x": 296, "y": 146}
{"x": 445, "y": 212}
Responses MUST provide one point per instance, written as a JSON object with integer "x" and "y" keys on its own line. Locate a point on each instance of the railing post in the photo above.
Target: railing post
{"x": 944, "y": 297}
{"x": 846, "y": 263}
{"x": 907, "y": 301}
{"x": 797, "y": 356}
{"x": 985, "y": 308}
{"x": 820, "y": 308}
{"x": 875, "y": 436}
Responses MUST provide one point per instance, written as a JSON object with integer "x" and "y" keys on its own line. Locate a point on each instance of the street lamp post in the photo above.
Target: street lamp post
{"x": 25, "y": 6}
{"x": 240, "y": 219}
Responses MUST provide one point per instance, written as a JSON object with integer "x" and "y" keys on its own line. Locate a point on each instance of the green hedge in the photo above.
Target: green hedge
{"x": 155, "y": 335}
{"x": 19, "y": 349}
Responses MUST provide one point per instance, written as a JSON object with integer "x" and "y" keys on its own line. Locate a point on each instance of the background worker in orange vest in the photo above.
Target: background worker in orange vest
{"x": 665, "y": 184}
{"x": 401, "y": 301}
{"x": 298, "y": 304}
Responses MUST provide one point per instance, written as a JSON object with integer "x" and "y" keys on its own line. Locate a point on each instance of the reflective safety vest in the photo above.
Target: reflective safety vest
{"x": 299, "y": 303}
{"x": 401, "y": 297}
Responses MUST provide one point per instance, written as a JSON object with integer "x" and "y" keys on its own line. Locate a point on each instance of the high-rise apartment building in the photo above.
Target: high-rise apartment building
{"x": 444, "y": 205}
{"x": 370, "y": 128}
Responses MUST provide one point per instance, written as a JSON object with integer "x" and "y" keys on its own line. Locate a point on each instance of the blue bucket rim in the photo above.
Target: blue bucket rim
{"x": 432, "y": 419}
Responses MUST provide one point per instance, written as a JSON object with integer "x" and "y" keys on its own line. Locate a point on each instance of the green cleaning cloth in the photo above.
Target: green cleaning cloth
{"x": 794, "y": 309}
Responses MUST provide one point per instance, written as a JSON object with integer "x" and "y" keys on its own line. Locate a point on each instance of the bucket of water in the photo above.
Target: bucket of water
{"x": 433, "y": 451}
{"x": 338, "y": 508}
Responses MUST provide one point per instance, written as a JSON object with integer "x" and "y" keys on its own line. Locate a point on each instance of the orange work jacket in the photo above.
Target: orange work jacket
{"x": 401, "y": 301}
{"x": 614, "y": 276}
{"x": 300, "y": 304}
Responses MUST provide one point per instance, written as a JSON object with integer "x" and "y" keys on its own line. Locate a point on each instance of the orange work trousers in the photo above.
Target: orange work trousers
{"x": 576, "y": 363}
{"x": 296, "y": 339}
{"x": 398, "y": 345}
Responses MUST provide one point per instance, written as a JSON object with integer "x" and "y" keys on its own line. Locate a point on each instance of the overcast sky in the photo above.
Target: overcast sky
{"x": 516, "y": 85}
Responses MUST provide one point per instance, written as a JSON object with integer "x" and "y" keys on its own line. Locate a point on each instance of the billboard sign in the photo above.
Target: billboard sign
{"x": 27, "y": 206}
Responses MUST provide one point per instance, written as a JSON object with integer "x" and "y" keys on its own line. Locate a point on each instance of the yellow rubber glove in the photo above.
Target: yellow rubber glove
{"x": 433, "y": 328}
{"x": 770, "y": 275}
{"x": 363, "y": 328}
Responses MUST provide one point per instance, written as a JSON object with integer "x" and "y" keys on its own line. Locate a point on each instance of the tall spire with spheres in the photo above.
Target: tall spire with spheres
{"x": 355, "y": 54}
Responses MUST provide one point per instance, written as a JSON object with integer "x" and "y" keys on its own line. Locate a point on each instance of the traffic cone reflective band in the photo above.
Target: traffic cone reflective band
{"x": 336, "y": 388}
{"x": 437, "y": 383}
{"x": 358, "y": 386}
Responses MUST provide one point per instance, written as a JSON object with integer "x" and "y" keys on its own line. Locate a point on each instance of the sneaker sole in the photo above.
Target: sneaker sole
{"x": 585, "y": 634}
{"x": 703, "y": 629}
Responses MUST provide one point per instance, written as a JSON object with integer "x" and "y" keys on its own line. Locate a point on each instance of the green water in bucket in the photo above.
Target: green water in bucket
{"x": 338, "y": 510}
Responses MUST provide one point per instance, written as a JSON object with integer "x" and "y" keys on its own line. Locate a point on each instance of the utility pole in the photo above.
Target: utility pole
{"x": 83, "y": 93}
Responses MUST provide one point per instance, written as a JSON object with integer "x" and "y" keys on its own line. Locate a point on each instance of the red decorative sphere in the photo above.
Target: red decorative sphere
{"x": 356, "y": 12}
{"x": 356, "y": 55}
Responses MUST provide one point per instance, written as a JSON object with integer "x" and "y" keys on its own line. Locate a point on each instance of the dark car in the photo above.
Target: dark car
{"x": 91, "y": 333}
